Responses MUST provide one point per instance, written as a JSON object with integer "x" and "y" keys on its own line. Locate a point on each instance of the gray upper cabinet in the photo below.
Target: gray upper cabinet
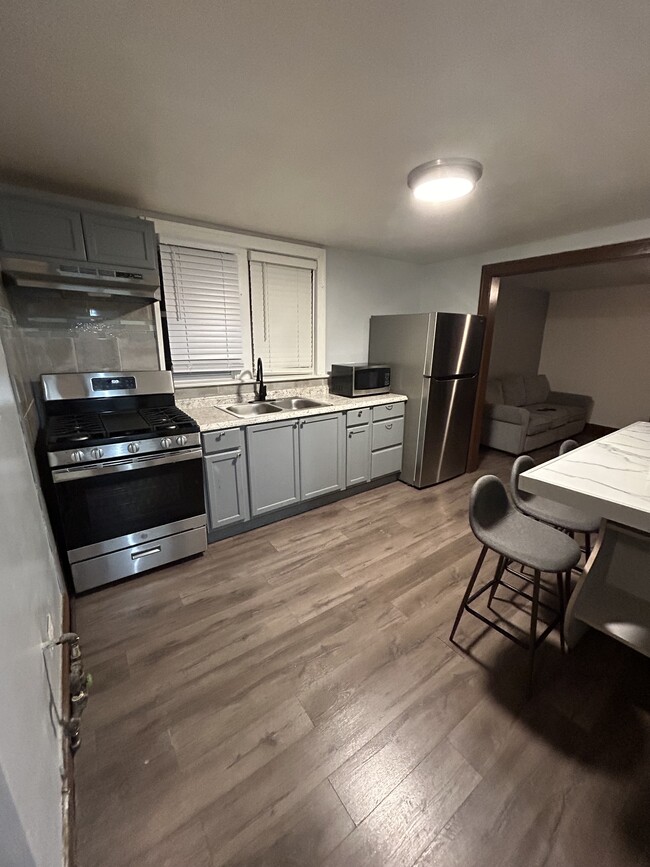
{"x": 273, "y": 465}
{"x": 115, "y": 240}
{"x": 31, "y": 228}
{"x": 322, "y": 450}
{"x": 227, "y": 489}
{"x": 358, "y": 454}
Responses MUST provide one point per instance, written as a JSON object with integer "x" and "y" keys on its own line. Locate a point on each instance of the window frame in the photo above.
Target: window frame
{"x": 241, "y": 245}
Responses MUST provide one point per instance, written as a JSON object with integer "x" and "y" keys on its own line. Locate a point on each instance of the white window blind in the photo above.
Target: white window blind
{"x": 204, "y": 315}
{"x": 282, "y": 304}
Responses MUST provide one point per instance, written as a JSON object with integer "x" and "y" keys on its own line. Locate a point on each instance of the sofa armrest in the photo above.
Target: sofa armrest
{"x": 505, "y": 412}
{"x": 565, "y": 398}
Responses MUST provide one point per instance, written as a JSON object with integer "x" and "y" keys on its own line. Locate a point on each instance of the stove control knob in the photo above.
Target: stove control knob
{"x": 133, "y": 447}
{"x": 97, "y": 453}
{"x": 77, "y": 455}
{"x": 166, "y": 442}
{"x": 181, "y": 440}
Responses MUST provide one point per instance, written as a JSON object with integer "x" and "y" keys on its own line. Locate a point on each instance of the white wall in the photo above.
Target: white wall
{"x": 597, "y": 342}
{"x": 453, "y": 285}
{"x": 360, "y": 285}
{"x": 30, "y": 744}
{"x": 518, "y": 331}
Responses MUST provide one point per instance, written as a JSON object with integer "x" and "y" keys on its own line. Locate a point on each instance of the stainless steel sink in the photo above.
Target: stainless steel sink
{"x": 246, "y": 410}
{"x": 298, "y": 403}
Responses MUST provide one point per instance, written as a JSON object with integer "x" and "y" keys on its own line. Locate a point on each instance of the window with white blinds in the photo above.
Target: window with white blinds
{"x": 282, "y": 304}
{"x": 204, "y": 310}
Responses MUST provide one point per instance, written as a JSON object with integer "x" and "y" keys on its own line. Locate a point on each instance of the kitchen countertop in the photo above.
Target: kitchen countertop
{"x": 609, "y": 477}
{"x": 208, "y": 415}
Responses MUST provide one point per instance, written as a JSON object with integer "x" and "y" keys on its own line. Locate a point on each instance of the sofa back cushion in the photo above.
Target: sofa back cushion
{"x": 537, "y": 388}
{"x": 494, "y": 392}
{"x": 514, "y": 390}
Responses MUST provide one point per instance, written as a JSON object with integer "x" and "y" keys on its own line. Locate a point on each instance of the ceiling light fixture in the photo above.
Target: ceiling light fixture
{"x": 443, "y": 180}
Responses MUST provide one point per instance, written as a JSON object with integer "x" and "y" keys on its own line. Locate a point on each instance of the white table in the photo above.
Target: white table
{"x": 609, "y": 478}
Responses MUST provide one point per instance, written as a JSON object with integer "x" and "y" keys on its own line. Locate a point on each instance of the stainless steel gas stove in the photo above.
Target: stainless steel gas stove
{"x": 126, "y": 492}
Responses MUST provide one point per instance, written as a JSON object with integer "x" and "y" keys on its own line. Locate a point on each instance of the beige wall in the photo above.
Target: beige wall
{"x": 597, "y": 341}
{"x": 518, "y": 331}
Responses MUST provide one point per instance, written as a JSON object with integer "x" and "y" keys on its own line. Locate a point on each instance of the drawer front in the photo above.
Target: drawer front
{"x": 386, "y": 461}
{"x": 358, "y": 416}
{"x": 387, "y": 410}
{"x": 387, "y": 433}
{"x": 222, "y": 440}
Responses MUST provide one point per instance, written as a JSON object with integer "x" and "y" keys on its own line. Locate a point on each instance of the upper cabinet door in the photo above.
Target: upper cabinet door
{"x": 114, "y": 240}
{"x": 31, "y": 228}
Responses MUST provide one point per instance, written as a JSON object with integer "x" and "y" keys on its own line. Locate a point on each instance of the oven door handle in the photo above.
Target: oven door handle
{"x": 141, "y": 463}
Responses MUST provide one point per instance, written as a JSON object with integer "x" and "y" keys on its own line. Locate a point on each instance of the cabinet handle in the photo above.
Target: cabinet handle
{"x": 355, "y": 432}
{"x": 388, "y": 406}
{"x": 389, "y": 426}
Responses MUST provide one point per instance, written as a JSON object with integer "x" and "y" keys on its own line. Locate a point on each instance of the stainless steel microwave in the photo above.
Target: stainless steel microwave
{"x": 357, "y": 380}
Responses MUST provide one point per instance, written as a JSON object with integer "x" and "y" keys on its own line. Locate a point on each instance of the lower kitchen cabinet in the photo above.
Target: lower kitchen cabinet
{"x": 227, "y": 489}
{"x": 358, "y": 454}
{"x": 322, "y": 455}
{"x": 273, "y": 465}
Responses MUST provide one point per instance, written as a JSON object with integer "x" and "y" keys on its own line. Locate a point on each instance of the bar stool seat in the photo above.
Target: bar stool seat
{"x": 559, "y": 515}
{"x": 530, "y": 543}
{"x": 516, "y": 538}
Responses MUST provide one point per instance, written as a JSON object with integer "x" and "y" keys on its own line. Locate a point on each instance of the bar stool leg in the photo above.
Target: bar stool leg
{"x": 562, "y": 604}
{"x": 468, "y": 592}
{"x": 498, "y": 572}
{"x": 533, "y": 630}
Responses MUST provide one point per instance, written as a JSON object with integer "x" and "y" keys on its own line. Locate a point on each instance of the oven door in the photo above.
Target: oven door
{"x": 110, "y": 506}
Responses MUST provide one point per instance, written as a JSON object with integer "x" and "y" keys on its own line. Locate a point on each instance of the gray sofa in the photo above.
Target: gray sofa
{"x": 522, "y": 413}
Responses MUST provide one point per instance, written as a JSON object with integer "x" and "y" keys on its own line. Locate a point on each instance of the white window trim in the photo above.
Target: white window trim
{"x": 186, "y": 234}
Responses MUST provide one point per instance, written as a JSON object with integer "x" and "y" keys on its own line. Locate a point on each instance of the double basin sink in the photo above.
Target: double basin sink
{"x": 264, "y": 407}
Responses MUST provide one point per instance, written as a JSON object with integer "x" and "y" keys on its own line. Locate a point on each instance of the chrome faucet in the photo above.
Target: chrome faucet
{"x": 260, "y": 388}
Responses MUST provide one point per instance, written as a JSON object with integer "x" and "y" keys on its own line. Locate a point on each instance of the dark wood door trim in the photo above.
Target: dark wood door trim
{"x": 489, "y": 296}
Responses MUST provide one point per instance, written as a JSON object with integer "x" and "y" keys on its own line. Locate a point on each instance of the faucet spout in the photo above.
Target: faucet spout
{"x": 260, "y": 391}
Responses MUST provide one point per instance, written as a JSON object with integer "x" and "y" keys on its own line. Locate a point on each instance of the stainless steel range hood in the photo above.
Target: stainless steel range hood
{"x": 81, "y": 277}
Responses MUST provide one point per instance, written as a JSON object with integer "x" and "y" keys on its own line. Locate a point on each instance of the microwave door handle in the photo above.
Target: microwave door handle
{"x": 68, "y": 475}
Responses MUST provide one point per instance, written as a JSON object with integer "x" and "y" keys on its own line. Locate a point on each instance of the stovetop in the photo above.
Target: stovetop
{"x": 84, "y": 429}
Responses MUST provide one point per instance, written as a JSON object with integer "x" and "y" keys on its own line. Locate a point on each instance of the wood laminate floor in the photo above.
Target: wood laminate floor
{"x": 291, "y": 698}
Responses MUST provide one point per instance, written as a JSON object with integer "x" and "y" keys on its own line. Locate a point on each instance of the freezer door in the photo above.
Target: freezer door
{"x": 455, "y": 345}
{"x": 442, "y": 450}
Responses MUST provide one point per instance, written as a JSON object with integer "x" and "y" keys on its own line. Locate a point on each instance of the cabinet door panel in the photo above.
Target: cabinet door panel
{"x": 321, "y": 455}
{"x": 31, "y": 228}
{"x": 121, "y": 241}
{"x": 273, "y": 465}
{"x": 358, "y": 455}
{"x": 225, "y": 475}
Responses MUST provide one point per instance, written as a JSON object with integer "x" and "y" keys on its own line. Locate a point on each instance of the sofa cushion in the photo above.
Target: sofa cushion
{"x": 494, "y": 392}
{"x": 575, "y": 413}
{"x": 556, "y": 416}
{"x": 537, "y": 388}
{"x": 539, "y": 421}
{"x": 514, "y": 390}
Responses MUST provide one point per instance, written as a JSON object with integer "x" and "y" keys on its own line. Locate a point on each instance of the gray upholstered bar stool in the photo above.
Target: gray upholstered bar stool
{"x": 568, "y": 446}
{"x": 556, "y": 514}
{"x": 516, "y": 538}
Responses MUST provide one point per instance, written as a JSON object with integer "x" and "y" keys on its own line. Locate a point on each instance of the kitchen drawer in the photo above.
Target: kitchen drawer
{"x": 386, "y": 461}
{"x": 222, "y": 440}
{"x": 388, "y": 410}
{"x": 358, "y": 416}
{"x": 387, "y": 433}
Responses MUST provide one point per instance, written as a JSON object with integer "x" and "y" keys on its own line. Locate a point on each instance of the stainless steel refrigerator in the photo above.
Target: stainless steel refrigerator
{"x": 434, "y": 359}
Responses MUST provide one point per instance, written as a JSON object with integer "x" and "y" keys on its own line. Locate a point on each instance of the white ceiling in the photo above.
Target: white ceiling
{"x": 302, "y": 118}
{"x": 600, "y": 275}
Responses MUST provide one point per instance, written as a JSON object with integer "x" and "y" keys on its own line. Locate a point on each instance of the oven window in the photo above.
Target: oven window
{"x": 368, "y": 378}
{"x": 102, "y": 507}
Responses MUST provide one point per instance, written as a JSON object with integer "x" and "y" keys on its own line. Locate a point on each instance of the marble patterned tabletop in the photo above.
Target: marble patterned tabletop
{"x": 209, "y": 415}
{"x": 609, "y": 477}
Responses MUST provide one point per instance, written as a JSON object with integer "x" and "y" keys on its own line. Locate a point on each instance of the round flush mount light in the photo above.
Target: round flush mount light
{"x": 445, "y": 179}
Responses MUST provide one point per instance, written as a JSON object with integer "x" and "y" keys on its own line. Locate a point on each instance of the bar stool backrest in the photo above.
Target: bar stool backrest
{"x": 568, "y": 446}
{"x": 488, "y": 506}
{"x": 520, "y": 498}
